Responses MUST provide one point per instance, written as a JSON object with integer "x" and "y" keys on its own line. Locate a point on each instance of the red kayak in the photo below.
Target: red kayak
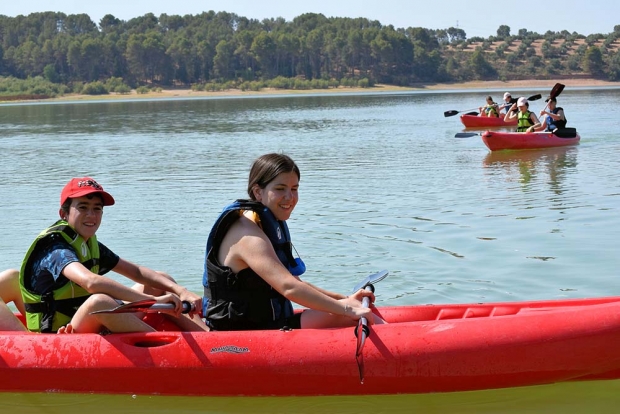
{"x": 423, "y": 349}
{"x": 496, "y": 141}
{"x": 475, "y": 121}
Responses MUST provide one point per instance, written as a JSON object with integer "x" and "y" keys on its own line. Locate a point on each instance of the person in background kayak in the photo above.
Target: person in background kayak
{"x": 554, "y": 118}
{"x": 61, "y": 276}
{"x": 9, "y": 292}
{"x": 491, "y": 109}
{"x": 251, "y": 276}
{"x": 508, "y": 102}
{"x": 525, "y": 118}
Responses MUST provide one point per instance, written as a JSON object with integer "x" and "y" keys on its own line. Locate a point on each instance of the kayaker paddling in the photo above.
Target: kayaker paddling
{"x": 491, "y": 109}
{"x": 508, "y": 102}
{"x": 553, "y": 117}
{"x": 62, "y": 280}
{"x": 251, "y": 276}
{"x": 525, "y": 118}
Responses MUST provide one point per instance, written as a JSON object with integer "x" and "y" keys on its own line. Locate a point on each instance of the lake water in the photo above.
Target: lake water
{"x": 384, "y": 185}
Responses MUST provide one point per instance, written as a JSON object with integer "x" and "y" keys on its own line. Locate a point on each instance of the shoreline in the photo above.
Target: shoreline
{"x": 379, "y": 88}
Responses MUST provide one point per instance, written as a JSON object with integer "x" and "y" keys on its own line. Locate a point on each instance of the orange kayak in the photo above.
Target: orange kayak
{"x": 496, "y": 141}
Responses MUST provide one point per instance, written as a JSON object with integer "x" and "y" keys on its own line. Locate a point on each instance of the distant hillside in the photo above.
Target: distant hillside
{"x": 530, "y": 55}
{"x": 53, "y": 53}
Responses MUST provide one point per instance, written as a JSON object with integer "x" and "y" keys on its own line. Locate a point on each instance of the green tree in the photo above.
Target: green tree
{"x": 314, "y": 52}
{"x": 49, "y": 72}
{"x": 78, "y": 24}
{"x": 503, "y": 31}
{"x": 263, "y": 49}
{"x": 110, "y": 24}
{"x": 593, "y": 61}
{"x": 479, "y": 65}
{"x": 456, "y": 35}
{"x": 181, "y": 58}
{"x": 222, "y": 62}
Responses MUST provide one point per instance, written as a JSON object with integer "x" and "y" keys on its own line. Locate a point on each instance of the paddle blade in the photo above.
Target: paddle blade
{"x": 557, "y": 90}
{"x": 360, "y": 366}
{"x": 361, "y": 332}
{"x": 450, "y": 113}
{"x": 534, "y": 97}
{"x": 466, "y": 134}
{"x": 140, "y": 306}
{"x": 369, "y": 280}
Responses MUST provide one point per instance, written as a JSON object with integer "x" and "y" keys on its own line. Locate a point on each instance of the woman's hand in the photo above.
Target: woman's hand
{"x": 357, "y": 311}
{"x": 354, "y": 309}
{"x": 361, "y": 294}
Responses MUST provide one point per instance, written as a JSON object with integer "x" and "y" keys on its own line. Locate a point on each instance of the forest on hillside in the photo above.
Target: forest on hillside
{"x": 53, "y": 53}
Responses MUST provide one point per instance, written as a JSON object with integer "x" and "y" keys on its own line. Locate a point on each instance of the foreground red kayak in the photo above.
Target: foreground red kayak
{"x": 475, "y": 121}
{"x": 496, "y": 141}
{"x": 424, "y": 349}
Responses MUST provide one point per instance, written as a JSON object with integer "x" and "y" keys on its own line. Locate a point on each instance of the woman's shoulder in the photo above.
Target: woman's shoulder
{"x": 246, "y": 225}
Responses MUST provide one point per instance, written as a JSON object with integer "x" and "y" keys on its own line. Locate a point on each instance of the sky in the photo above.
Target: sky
{"x": 474, "y": 17}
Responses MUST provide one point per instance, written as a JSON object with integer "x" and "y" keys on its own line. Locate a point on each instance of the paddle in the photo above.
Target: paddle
{"x": 555, "y": 92}
{"x": 150, "y": 306}
{"x": 362, "y": 331}
{"x": 467, "y": 134}
{"x": 146, "y": 306}
{"x": 453, "y": 112}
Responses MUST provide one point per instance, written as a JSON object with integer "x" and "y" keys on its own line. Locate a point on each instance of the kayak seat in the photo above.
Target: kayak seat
{"x": 565, "y": 132}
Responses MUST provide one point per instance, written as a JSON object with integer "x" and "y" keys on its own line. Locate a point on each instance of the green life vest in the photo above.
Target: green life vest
{"x": 491, "y": 110}
{"x": 48, "y": 312}
{"x": 524, "y": 121}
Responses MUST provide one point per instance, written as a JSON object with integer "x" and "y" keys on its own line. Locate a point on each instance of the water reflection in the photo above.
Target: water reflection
{"x": 527, "y": 166}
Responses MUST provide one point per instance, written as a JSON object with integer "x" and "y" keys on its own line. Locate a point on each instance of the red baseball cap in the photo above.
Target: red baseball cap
{"x": 79, "y": 187}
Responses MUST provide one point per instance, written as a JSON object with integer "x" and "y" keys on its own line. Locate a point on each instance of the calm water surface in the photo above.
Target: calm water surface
{"x": 385, "y": 185}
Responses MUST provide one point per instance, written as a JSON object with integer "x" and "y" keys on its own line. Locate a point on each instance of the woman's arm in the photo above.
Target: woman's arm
{"x": 334, "y": 295}
{"x": 246, "y": 245}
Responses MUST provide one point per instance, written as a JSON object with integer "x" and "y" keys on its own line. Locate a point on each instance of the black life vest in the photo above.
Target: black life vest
{"x": 553, "y": 124}
{"x": 244, "y": 301}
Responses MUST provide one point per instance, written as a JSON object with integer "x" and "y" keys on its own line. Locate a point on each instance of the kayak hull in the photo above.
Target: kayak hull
{"x": 424, "y": 349}
{"x": 497, "y": 141}
{"x": 475, "y": 121}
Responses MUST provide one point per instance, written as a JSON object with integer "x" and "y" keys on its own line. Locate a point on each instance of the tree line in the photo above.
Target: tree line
{"x": 210, "y": 48}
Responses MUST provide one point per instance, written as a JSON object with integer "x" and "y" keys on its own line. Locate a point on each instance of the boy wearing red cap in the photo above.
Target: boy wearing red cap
{"x": 60, "y": 278}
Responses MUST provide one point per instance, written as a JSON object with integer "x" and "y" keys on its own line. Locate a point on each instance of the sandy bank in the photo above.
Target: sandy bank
{"x": 490, "y": 85}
